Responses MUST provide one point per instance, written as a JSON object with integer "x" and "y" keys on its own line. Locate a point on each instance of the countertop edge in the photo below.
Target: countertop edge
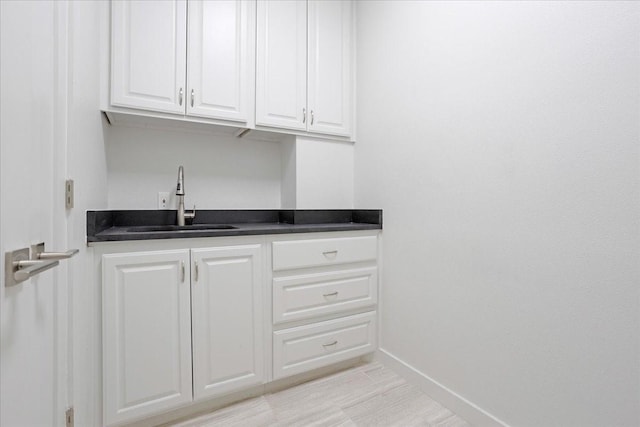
{"x": 111, "y": 226}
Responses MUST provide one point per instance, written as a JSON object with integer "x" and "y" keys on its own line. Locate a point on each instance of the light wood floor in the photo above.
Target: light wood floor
{"x": 366, "y": 395}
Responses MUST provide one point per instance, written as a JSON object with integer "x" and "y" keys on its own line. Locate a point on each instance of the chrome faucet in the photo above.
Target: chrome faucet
{"x": 182, "y": 215}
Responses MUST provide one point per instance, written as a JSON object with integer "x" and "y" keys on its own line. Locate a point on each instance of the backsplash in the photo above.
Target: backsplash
{"x": 221, "y": 172}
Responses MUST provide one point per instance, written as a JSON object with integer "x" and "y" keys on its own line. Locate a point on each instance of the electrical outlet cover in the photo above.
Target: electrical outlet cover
{"x": 163, "y": 200}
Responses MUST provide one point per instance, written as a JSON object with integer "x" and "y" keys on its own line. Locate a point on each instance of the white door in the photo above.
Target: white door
{"x": 221, "y": 40}
{"x": 34, "y": 317}
{"x": 146, "y": 333}
{"x": 330, "y": 72}
{"x": 148, "y": 54}
{"x": 226, "y": 295}
{"x": 281, "y": 64}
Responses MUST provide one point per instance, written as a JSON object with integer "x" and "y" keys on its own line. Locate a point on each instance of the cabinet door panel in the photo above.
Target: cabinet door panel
{"x": 219, "y": 56}
{"x": 148, "y": 60}
{"x": 227, "y": 318}
{"x": 330, "y": 71}
{"x": 281, "y": 68}
{"x": 146, "y": 333}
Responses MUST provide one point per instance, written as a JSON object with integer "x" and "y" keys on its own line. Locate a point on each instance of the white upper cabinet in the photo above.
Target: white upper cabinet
{"x": 218, "y": 58}
{"x": 329, "y": 76}
{"x": 281, "y": 61}
{"x": 180, "y": 57}
{"x": 148, "y": 62}
{"x": 277, "y": 64}
{"x": 303, "y": 65}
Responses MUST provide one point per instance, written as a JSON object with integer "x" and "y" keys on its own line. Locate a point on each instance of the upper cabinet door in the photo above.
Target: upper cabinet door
{"x": 281, "y": 69}
{"x": 148, "y": 60}
{"x": 330, "y": 67}
{"x": 221, "y": 46}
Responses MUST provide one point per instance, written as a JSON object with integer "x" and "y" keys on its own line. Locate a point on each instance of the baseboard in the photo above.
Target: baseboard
{"x": 458, "y": 404}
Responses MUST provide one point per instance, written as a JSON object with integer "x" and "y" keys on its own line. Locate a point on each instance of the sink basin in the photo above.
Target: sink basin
{"x": 195, "y": 227}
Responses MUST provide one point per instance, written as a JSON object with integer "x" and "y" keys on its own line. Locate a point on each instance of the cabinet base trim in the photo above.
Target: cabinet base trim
{"x": 213, "y": 404}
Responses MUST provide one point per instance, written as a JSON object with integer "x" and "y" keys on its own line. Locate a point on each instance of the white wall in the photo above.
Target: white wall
{"x": 324, "y": 174}
{"x": 317, "y": 174}
{"x": 502, "y": 141}
{"x": 221, "y": 172}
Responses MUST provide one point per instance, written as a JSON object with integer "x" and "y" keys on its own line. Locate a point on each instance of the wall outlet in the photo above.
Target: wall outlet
{"x": 163, "y": 200}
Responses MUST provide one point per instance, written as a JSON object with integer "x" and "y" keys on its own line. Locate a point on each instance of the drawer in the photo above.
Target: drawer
{"x": 306, "y": 296}
{"x": 297, "y": 350}
{"x": 321, "y": 252}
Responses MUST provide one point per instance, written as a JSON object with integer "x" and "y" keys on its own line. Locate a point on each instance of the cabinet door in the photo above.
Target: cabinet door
{"x": 148, "y": 48}
{"x": 330, "y": 71}
{"x": 226, "y": 294}
{"x": 219, "y": 56}
{"x": 281, "y": 68}
{"x": 146, "y": 333}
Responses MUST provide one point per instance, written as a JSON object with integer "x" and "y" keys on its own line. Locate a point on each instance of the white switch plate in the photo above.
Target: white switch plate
{"x": 163, "y": 200}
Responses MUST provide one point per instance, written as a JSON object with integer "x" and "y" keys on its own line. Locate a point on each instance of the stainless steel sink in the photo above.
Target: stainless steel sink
{"x": 195, "y": 227}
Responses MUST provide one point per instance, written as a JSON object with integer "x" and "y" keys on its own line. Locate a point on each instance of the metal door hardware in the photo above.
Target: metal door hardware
{"x": 37, "y": 252}
{"x": 19, "y": 266}
{"x": 330, "y": 254}
{"x": 69, "y": 416}
{"x": 68, "y": 194}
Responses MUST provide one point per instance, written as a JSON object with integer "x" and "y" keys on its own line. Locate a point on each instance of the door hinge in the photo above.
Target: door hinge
{"x": 69, "y": 417}
{"x": 68, "y": 193}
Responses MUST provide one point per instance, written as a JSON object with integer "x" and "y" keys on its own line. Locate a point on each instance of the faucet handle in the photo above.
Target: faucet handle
{"x": 190, "y": 215}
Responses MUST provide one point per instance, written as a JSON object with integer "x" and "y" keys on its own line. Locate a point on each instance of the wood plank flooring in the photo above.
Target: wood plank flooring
{"x": 367, "y": 395}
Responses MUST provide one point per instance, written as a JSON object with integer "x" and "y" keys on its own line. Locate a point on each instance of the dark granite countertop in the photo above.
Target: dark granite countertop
{"x": 123, "y": 225}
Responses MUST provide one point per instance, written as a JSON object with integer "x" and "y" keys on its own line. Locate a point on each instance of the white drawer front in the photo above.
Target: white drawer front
{"x": 302, "y": 297}
{"x": 320, "y": 252}
{"x": 300, "y": 349}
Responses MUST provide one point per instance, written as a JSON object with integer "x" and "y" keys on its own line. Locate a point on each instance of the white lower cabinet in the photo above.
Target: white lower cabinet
{"x": 146, "y": 333}
{"x": 163, "y": 309}
{"x": 226, "y": 301}
{"x": 188, "y": 320}
{"x": 325, "y": 293}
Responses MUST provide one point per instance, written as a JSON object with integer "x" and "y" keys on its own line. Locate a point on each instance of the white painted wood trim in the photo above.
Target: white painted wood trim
{"x": 471, "y": 412}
